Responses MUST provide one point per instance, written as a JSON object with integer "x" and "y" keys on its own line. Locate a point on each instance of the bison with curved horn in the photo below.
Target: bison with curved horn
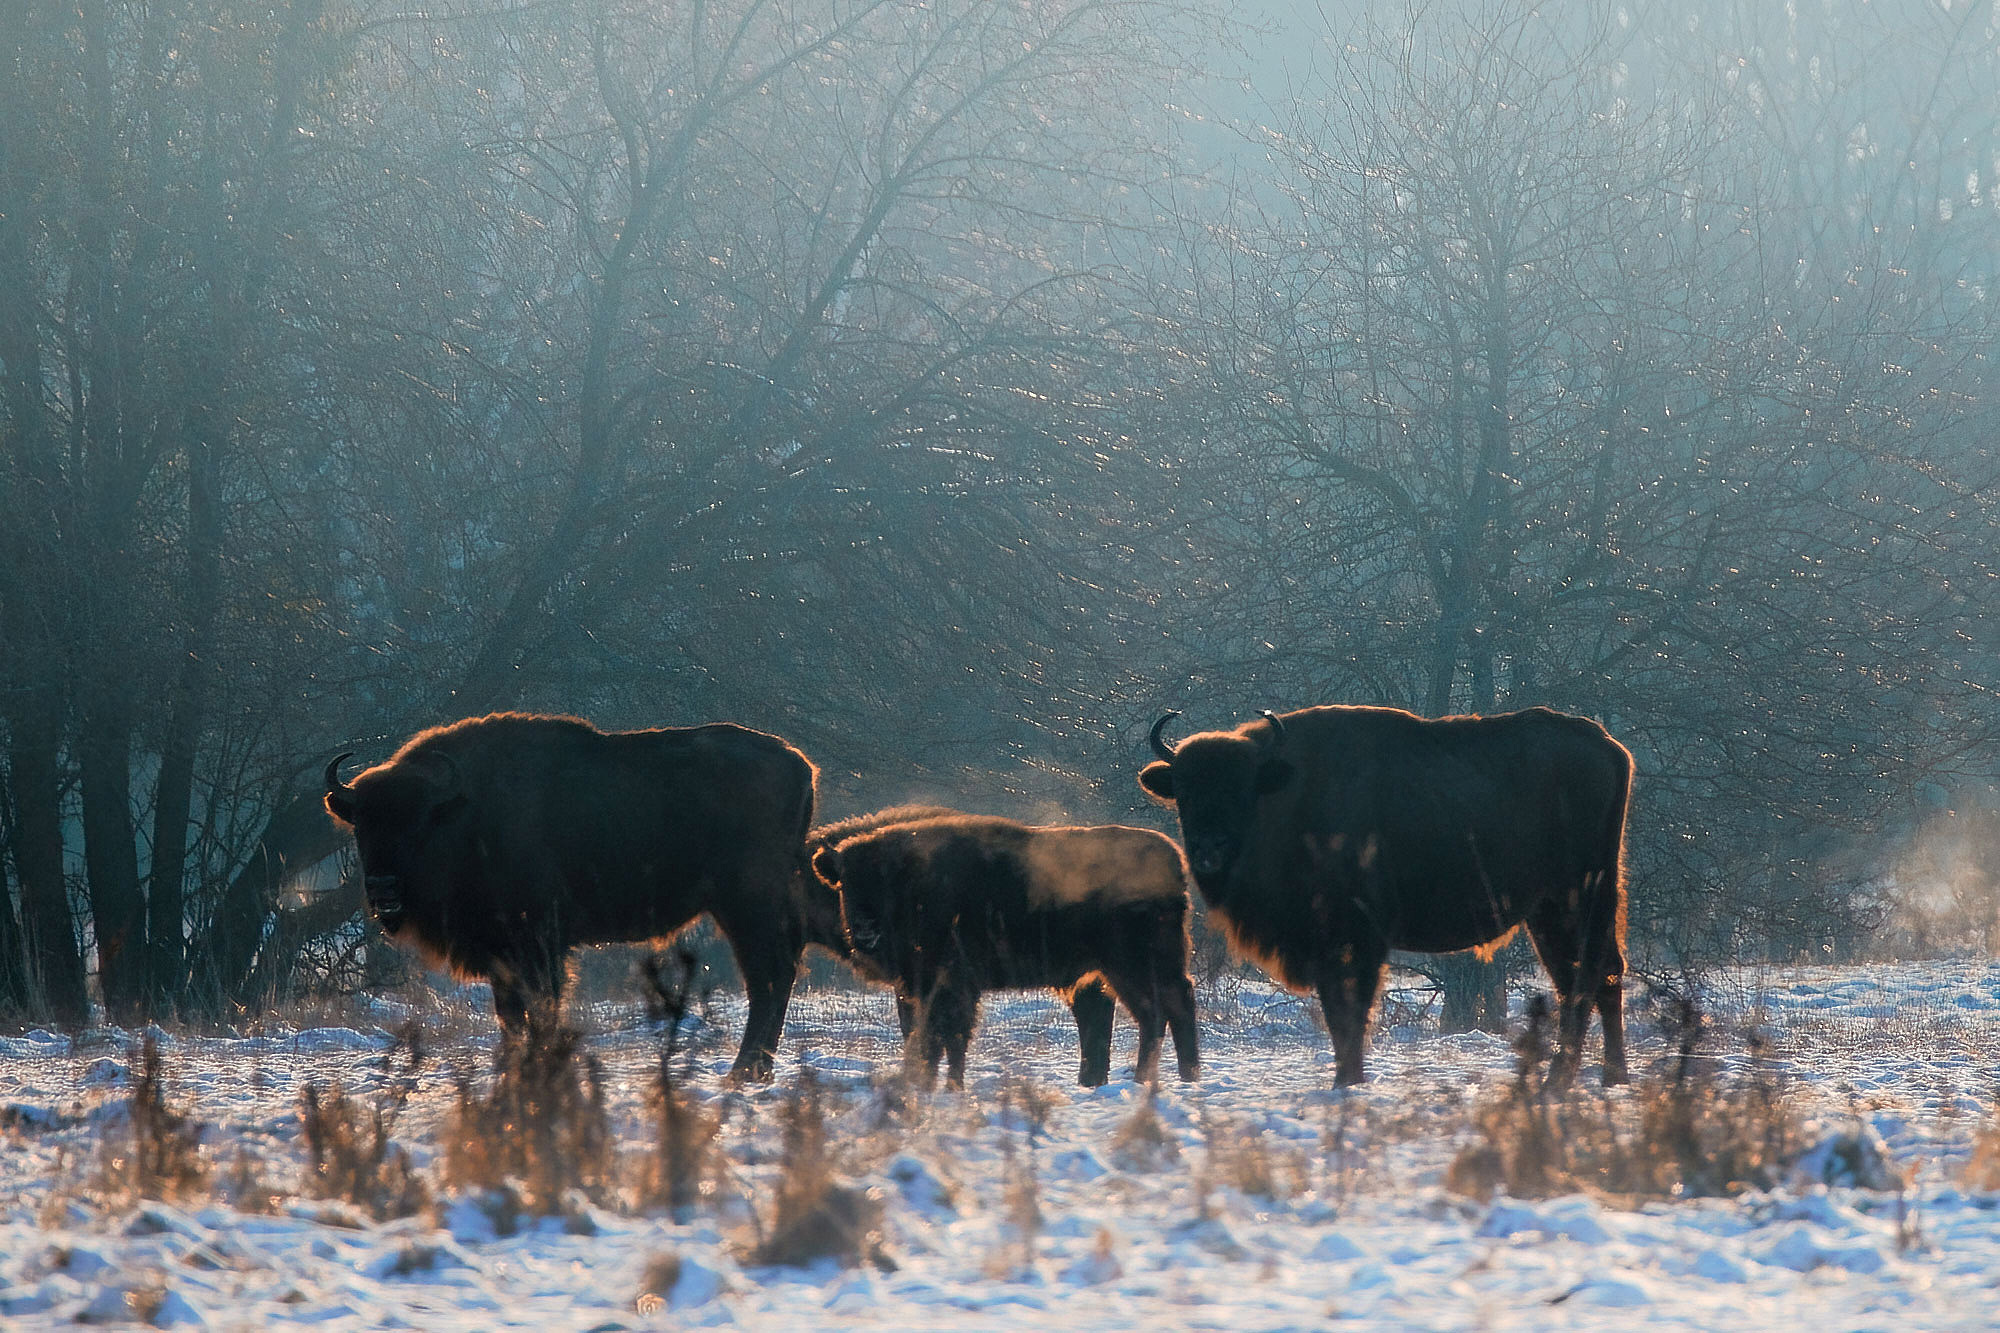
{"x": 1324, "y": 838}
{"x": 497, "y": 844}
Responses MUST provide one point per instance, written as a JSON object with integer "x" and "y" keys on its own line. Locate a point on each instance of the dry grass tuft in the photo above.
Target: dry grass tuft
{"x": 245, "y": 1187}
{"x": 540, "y": 1129}
{"x": 1021, "y": 1212}
{"x": 1982, "y": 1169}
{"x": 1682, "y": 1133}
{"x": 160, "y": 1156}
{"x": 817, "y": 1215}
{"x": 1143, "y": 1142}
{"x": 350, "y": 1154}
{"x": 689, "y": 1164}
{"x": 1252, "y": 1163}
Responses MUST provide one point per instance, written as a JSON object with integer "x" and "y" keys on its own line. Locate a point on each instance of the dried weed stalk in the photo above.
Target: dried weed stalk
{"x": 1682, "y": 1133}
{"x": 350, "y": 1155}
{"x": 1021, "y": 1213}
{"x": 1982, "y": 1169}
{"x": 160, "y": 1156}
{"x": 1253, "y": 1164}
{"x": 541, "y": 1126}
{"x": 815, "y": 1214}
{"x": 1142, "y": 1141}
{"x": 689, "y": 1163}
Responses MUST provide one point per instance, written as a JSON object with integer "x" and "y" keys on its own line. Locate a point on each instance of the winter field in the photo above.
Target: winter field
{"x": 1257, "y": 1199}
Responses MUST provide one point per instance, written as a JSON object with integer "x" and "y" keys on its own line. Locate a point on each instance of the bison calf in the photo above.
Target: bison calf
{"x": 1324, "y": 838}
{"x": 1088, "y": 1002}
{"x": 496, "y": 844}
{"x": 947, "y": 908}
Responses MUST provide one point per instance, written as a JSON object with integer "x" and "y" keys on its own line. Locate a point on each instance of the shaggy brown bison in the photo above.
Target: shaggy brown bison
{"x": 1324, "y": 838}
{"x": 1089, "y": 1003}
{"x": 949, "y": 907}
{"x": 498, "y": 843}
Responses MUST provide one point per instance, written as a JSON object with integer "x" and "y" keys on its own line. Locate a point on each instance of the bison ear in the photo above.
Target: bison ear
{"x": 340, "y": 804}
{"x": 1158, "y": 778}
{"x": 1273, "y": 775}
{"x": 826, "y": 864}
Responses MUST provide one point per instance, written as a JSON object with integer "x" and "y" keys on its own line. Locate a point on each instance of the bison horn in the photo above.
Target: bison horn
{"x": 1277, "y": 727}
{"x": 333, "y": 782}
{"x": 1160, "y": 747}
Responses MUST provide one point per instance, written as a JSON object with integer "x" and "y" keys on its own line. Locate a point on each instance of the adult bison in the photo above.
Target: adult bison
{"x": 949, "y": 907}
{"x": 1326, "y": 837}
{"x": 498, "y": 843}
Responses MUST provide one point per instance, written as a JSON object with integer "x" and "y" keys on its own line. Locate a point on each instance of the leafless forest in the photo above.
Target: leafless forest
{"x": 953, "y": 387}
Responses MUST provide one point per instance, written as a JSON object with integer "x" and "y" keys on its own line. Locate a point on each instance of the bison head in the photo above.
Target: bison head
{"x": 398, "y": 812}
{"x": 824, "y": 925}
{"x": 1215, "y": 780}
{"x": 864, "y": 908}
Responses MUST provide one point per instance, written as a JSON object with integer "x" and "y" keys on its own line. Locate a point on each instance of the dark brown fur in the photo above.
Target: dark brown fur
{"x": 497, "y": 844}
{"x": 1089, "y": 1002}
{"x": 1344, "y": 832}
{"x": 947, "y": 908}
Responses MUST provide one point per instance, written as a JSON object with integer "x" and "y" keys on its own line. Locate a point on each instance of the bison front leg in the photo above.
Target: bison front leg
{"x": 510, "y": 1005}
{"x": 1094, "y": 1013}
{"x": 1347, "y": 997}
{"x": 1577, "y": 939}
{"x": 527, "y": 995}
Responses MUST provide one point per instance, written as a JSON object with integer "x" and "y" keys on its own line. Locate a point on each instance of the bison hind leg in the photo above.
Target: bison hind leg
{"x": 1177, "y": 999}
{"x": 1095, "y": 1012}
{"x": 1611, "y": 1014}
{"x": 1578, "y": 944}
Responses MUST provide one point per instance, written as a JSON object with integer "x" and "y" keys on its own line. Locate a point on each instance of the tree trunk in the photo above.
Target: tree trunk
{"x": 35, "y": 610}
{"x": 54, "y": 962}
{"x": 14, "y": 995}
{"x": 166, "y": 897}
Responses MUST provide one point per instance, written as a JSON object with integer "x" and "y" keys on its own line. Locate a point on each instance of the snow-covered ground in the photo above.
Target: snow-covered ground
{"x": 1362, "y": 1232}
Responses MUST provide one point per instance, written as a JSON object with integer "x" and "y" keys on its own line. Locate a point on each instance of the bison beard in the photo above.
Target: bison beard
{"x": 497, "y": 844}
{"x": 1326, "y": 837}
{"x": 947, "y": 908}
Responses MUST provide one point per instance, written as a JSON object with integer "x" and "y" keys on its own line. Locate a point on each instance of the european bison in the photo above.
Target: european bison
{"x": 949, "y": 907}
{"x": 1326, "y": 837}
{"x": 1089, "y": 1003}
{"x": 498, "y": 843}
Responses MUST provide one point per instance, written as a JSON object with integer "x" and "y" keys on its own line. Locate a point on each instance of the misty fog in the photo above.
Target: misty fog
{"x": 953, "y": 388}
